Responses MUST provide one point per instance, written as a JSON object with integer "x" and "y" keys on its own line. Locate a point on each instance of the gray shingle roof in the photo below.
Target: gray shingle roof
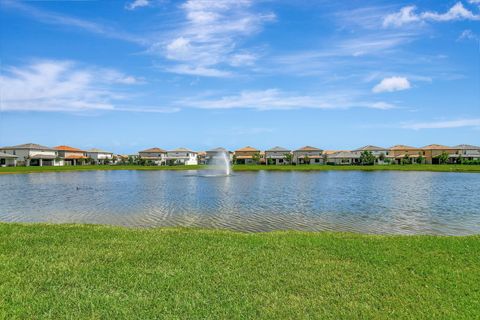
{"x": 466, "y": 147}
{"x": 33, "y": 146}
{"x": 370, "y": 148}
{"x": 277, "y": 149}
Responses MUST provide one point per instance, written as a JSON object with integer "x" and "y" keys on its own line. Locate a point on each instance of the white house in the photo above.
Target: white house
{"x": 155, "y": 155}
{"x": 31, "y": 154}
{"x": 308, "y": 155}
{"x": 99, "y": 156}
{"x": 8, "y": 160}
{"x": 468, "y": 151}
{"x": 182, "y": 156}
{"x": 276, "y": 155}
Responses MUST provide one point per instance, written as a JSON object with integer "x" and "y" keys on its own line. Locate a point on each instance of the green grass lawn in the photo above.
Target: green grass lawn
{"x": 99, "y": 272}
{"x": 412, "y": 167}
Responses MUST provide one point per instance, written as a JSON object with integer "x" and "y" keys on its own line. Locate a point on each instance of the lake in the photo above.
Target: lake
{"x": 355, "y": 201}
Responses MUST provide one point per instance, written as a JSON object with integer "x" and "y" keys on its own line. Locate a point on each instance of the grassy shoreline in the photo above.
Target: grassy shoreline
{"x": 88, "y": 271}
{"x": 413, "y": 167}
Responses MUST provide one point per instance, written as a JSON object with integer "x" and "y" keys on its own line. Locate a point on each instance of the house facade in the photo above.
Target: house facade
{"x": 8, "y": 160}
{"x": 277, "y": 156}
{"x": 308, "y": 155}
{"x": 380, "y": 153}
{"x": 32, "y": 154}
{"x": 432, "y": 153}
{"x": 217, "y": 153}
{"x": 182, "y": 156}
{"x": 402, "y": 153}
{"x": 246, "y": 155}
{"x": 155, "y": 155}
{"x": 70, "y": 156}
{"x": 99, "y": 156}
{"x": 468, "y": 152}
{"x": 343, "y": 158}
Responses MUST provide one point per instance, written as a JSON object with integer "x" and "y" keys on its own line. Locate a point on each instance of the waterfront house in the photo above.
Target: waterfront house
{"x": 247, "y": 155}
{"x": 99, "y": 156}
{"x": 277, "y": 155}
{"x": 380, "y": 153}
{"x": 182, "y": 156}
{"x": 32, "y": 154}
{"x": 70, "y": 156}
{"x": 402, "y": 153}
{"x": 154, "y": 155}
{"x": 468, "y": 152}
{"x": 308, "y": 155}
{"x": 8, "y": 160}
{"x": 432, "y": 153}
{"x": 215, "y": 153}
{"x": 202, "y": 157}
{"x": 343, "y": 158}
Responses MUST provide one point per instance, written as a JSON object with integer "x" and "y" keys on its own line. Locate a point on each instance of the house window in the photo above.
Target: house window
{"x": 317, "y": 160}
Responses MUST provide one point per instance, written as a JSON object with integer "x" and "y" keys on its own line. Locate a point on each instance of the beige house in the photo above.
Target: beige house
{"x": 155, "y": 155}
{"x": 308, "y": 155}
{"x": 71, "y": 156}
{"x": 378, "y": 152}
{"x": 399, "y": 153}
{"x": 276, "y": 156}
{"x": 246, "y": 155}
{"x": 343, "y": 158}
{"x": 32, "y": 154}
{"x": 432, "y": 153}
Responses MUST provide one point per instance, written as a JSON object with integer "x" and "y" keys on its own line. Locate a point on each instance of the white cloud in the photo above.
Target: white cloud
{"x": 137, "y": 4}
{"x": 274, "y": 99}
{"x": 407, "y": 15}
{"x": 392, "y": 84}
{"x": 54, "y": 18}
{"x": 208, "y": 38}
{"x": 469, "y": 34}
{"x": 443, "y": 124}
{"x": 198, "y": 71}
{"x": 59, "y": 86}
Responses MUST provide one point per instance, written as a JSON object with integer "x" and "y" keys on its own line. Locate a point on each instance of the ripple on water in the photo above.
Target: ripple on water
{"x": 369, "y": 202}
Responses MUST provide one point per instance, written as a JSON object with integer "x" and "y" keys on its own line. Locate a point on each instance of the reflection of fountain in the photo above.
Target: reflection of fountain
{"x": 220, "y": 161}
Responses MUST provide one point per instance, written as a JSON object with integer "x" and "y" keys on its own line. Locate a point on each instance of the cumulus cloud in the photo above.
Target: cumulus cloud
{"x": 408, "y": 15}
{"x": 443, "y": 124}
{"x": 60, "y": 86}
{"x": 207, "y": 40}
{"x": 392, "y": 84}
{"x": 275, "y": 99}
{"x": 137, "y": 4}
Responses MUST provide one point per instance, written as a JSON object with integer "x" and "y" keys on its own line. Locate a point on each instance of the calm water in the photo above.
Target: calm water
{"x": 371, "y": 202}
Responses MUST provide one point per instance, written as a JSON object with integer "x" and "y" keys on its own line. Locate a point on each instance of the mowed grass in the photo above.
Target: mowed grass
{"x": 412, "y": 167}
{"x": 100, "y": 272}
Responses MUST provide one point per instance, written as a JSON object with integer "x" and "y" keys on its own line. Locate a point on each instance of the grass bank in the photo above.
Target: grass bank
{"x": 412, "y": 167}
{"x": 81, "y": 271}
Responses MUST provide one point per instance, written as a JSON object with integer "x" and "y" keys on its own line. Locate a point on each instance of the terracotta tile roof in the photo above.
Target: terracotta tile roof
{"x": 247, "y": 149}
{"x": 370, "y": 148}
{"x": 308, "y": 148}
{"x": 67, "y": 148}
{"x": 402, "y": 147}
{"x": 153, "y": 150}
{"x": 436, "y": 147}
{"x": 33, "y": 146}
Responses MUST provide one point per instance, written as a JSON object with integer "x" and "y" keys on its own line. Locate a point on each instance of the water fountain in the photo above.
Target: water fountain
{"x": 219, "y": 164}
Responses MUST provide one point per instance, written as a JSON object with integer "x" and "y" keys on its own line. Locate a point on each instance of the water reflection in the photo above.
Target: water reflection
{"x": 370, "y": 202}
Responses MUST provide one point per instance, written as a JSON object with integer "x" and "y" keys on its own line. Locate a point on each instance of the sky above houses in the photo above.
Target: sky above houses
{"x": 134, "y": 74}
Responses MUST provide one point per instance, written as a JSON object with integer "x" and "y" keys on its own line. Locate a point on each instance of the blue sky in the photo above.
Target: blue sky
{"x": 128, "y": 75}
